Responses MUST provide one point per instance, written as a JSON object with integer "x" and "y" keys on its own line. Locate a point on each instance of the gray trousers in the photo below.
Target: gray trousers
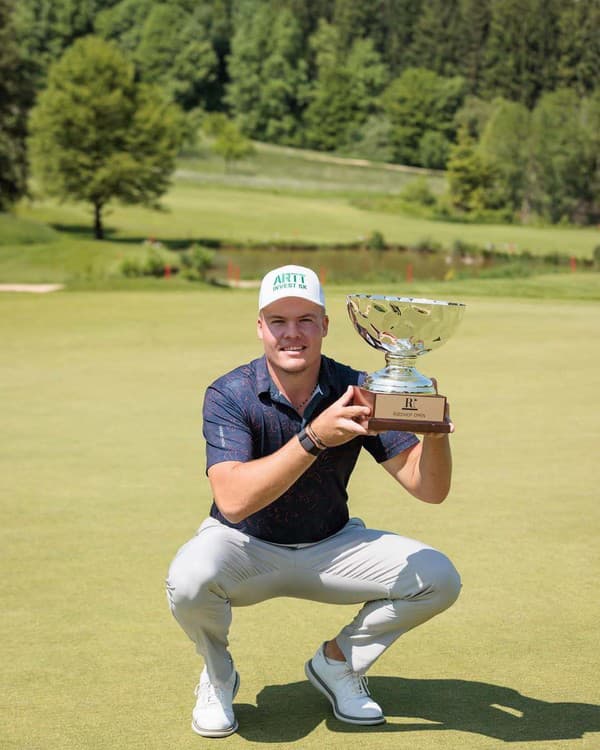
{"x": 400, "y": 581}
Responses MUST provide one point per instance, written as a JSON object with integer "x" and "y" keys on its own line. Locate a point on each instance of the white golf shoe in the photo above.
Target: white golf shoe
{"x": 346, "y": 690}
{"x": 213, "y": 713}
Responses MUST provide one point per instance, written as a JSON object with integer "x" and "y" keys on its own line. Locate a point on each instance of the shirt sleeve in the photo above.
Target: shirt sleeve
{"x": 389, "y": 444}
{"x": 225, "y": 427}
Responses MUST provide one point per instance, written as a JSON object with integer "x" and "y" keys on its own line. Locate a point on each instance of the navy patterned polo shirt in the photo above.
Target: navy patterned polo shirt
{"x": 246, "y": 417}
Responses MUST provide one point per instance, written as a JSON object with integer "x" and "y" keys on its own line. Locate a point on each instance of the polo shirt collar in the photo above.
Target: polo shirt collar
{"x": 264, "y": 382}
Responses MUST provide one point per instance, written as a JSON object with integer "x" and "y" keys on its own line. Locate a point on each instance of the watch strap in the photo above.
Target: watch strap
{"x": 308, "y": 443}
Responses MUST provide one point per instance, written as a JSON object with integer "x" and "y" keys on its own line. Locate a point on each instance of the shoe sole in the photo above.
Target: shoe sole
{"x": 215, "y": 733}
{"x": 318, "y": 683}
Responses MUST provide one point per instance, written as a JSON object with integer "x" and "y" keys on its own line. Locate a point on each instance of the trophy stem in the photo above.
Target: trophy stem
{"x": 399, "y": 376}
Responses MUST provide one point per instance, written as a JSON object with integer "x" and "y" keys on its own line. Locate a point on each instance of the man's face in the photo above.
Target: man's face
{"x": 292, "y": 330}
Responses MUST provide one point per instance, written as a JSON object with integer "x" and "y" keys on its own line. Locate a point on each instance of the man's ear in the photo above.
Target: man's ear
{"x": 259, "y": 325}
{"x": 325, "y": 325}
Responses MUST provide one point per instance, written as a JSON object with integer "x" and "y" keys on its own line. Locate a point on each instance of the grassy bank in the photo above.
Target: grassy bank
{"x": 197, "y": 211}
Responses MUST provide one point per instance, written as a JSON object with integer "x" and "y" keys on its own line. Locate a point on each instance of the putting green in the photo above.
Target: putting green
{"x": 103, "y": 479}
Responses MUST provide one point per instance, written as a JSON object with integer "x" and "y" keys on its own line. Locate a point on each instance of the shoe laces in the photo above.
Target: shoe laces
{"x": 357, "y": 683}
{"x": 209, "y": 693}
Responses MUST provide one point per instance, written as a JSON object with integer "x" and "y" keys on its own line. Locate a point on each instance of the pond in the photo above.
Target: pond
{"x": 339, "y": 265}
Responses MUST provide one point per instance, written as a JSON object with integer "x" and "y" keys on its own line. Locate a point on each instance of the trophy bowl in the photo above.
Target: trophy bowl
{"x": 404, "y": 328}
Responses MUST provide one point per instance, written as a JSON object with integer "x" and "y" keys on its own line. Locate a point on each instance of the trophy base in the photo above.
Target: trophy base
{"x": 407, "y": 412}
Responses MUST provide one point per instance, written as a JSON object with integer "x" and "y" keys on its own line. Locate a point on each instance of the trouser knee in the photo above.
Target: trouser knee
{"x": 444, "y": 579}
{"x": 435, "y": 577}
{"x": 189, "y": 587}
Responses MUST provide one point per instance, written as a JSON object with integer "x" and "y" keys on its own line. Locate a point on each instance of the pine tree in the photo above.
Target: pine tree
{"x": 267, "y": 90}
{"x": 579, "y": 45}
{"x": 330, "y": 112}
{"x": 521, "y": 57}
{"x": 16, "y": 95}
{"x": 473, "y": 29}
{"x": 436, "y": 44}
{"x": 420, "y": 102}
{"x": 345, "y": 90}
{"x": 470, "y": 175}
{"x": 564, "y": 154}
{"x": 174, "y": 51}
{"x": 506, "y": 143}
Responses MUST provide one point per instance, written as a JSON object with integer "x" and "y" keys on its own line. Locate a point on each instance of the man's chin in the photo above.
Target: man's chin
{"x": 293, "y": 364}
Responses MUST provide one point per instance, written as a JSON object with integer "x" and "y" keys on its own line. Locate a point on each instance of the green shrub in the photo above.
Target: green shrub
{"x": 376, "y": 241}
{"x": 418, "y": 191}
{"x": 196, "y": 262}
{"x": 462, "y": 248}
{"x": 131, "y": 268}
{"x": 427, "y": 245}
{"x": 433, "y": 150}
{"x": 156, "y": 263}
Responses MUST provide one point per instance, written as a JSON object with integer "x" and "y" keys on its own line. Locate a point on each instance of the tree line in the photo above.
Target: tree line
{"x": 501, "y": 93}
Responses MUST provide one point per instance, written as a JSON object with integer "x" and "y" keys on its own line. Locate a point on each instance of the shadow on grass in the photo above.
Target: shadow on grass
{"x": 286, "y": 713}
{"x": 86, "y": 232}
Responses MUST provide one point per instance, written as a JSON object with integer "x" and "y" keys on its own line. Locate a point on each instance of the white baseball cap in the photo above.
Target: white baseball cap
{"x": 290, "y": 281}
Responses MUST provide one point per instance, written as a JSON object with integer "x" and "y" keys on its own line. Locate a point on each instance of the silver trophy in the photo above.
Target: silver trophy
{"x": 404, "y": 328}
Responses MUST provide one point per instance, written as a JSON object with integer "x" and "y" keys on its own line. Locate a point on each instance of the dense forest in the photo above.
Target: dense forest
{"x": 501, "y": 93}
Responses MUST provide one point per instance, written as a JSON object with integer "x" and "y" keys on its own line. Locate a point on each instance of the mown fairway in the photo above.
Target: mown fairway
{"x": 196, "y": 211}
{"x": 103, "y": 479}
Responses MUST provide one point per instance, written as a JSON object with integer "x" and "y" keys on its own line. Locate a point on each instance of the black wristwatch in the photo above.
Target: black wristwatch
{"x": 308, "y": 443}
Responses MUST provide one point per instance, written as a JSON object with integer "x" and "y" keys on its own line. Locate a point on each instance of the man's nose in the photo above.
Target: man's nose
{"x": 292, "y": 330}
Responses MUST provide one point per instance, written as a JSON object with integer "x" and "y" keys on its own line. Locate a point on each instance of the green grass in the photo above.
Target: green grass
{"x": 195, "y": 211}
{"x": 304, "y": 171}
{"x": 102, "y": 467}
{"x": 16, "y": 232}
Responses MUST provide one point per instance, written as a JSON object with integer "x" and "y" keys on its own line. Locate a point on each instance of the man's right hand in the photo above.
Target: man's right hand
{"x": 342, "y": 421}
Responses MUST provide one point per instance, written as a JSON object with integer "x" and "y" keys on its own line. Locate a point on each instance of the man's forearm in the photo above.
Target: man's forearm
{"x": 241, "y": 489}
{"x": 434, "y": 469}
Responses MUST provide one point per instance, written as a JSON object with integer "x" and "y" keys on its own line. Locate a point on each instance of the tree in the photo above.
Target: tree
{"x": 181, "y": 44}
{"x": 470, "y": 176}
{"x": 97, "y": 135}
{"x": 123, "y": 23}
{"x": 433, "y": 150}
{"x": 506, "y": 144}
{"x": 579, "y": 45}
{"x": 16, "y": 95}
{"x": 175, "y": 52}
{"x": 228, "y": 141}
{"x": 521, "y": 56}
{"x": 345, "y": 90}
{"x": 436, "y": 43}
{"x": 473, "y": 28}
{"x": 416, "y": 103}
{"x": 268, "y": 73}
{"x": 45, "y": 28}
{"x": 372, "y": 140}
{"x": 590, "y": 123}
{"x": 356, "y": 20}
{"x": 565, "y": 156}
{"x": 473, "y": 115}
{"x": 392, "y": 30}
